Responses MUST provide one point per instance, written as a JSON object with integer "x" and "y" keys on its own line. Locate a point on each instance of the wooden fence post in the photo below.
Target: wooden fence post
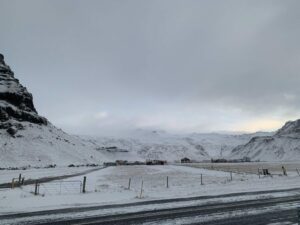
{"x": 142, "y": 186}
{"x": 129, "y": 183}
{"x": 258, "y": 173}
{"x": 36, "y": 189}
{"x": 167, "y": 181}
{"x": 60, "y": 187}
{"x": 84, "y": 185}
{"x": 13, "y": 183}
{"x": 298, "y": 171}
{"x": 298, "y": 212}
{"x": 230, "y": 175}
{"x": 20, "y": 179}
{"x": 201, "y": 179}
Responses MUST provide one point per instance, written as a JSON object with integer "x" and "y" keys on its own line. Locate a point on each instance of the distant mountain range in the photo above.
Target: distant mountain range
{"x": 147, "y": 144}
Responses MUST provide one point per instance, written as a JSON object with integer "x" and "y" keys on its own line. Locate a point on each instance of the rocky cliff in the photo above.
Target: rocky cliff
{"x": 28, "y": 139}
{"x": 16, "y": 103}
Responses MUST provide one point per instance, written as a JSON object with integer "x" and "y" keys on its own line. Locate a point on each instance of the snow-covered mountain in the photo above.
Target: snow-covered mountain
{"x": 152, "y": 145}
{"x": 284, "y": 145}
{"x": 147, "y": 144}
{"x": 26, "y": 138}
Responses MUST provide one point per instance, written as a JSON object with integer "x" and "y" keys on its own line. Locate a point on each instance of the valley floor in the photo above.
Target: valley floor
{"x": 111, "y": 185}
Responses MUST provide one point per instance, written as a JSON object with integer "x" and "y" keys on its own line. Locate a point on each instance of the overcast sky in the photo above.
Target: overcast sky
{"x": 102, "y": 66}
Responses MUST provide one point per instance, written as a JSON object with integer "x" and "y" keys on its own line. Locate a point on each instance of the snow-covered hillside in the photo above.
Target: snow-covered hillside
{"x": 284, "y": 145}
{"x": 148, "y": 144}
{"x": 220, "y": 145}
{"x": 151, "y": 145}
{"x": 38, "y": 145}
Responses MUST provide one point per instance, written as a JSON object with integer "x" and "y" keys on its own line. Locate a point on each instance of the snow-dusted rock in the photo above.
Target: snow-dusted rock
{"x": 16, "y": 103}
{"x": 284, "y": 145}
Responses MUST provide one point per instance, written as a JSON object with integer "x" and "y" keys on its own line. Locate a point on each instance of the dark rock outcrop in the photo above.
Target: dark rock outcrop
{"x": 16, "y": 103}
{"x": 290, "y": 128}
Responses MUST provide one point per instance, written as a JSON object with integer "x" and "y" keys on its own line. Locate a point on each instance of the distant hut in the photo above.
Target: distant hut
{"x": 185, "y": 160}
{"x": 106, "y": 164}
{"x": 121, "y": 162}
{"x": 156, "y": 162}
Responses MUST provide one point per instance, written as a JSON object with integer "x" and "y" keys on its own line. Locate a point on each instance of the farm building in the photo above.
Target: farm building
{"x": 185, "y": 160}
{"x": 156, "y": 162}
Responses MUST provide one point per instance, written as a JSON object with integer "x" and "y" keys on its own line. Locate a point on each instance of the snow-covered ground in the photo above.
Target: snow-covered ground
{"x": 110, "y": 185}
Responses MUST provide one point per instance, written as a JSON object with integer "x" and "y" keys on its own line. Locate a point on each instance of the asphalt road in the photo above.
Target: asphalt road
{"x": 254, "y": 212}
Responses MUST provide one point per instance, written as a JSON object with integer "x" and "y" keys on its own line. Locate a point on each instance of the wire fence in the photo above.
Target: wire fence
{"x": 59, "y": 188}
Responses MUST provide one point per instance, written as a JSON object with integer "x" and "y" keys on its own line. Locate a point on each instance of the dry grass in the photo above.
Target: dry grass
{"x": 251, "y": 168}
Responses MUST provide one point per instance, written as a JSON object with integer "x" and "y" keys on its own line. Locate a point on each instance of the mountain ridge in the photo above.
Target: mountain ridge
{"x": 284, "y": 145}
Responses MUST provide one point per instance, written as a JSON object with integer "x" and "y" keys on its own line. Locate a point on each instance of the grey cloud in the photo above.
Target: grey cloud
{"x": 133, "y": 58}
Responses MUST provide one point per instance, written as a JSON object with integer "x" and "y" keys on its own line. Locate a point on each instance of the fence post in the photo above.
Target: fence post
{"x": 13, "y": 183}
{"x": 142, "y": 186}
{"x": 167, "y": 181}
{"x": 230, "y": 175}
{"x": 298, "y": 171}
{"x": 201, "y": 179}
{"x": 84, "y": 184}
{"x": 129, "y": 183}
{"x": 284, "y": 171}
{"x": 23, "y": 180}
{"x": 258, "y": 173}
{"x": 298, "y": 210}
{"x": 60, "y": 187}
{"x": 20, "y": 178}
{"x": 36, "y": 189}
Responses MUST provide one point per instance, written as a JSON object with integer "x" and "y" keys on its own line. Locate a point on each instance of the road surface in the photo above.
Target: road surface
{"x": 271, "y": 210}
{"x": 52, "y": 178}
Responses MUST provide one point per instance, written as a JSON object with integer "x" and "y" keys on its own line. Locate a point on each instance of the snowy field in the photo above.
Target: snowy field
{"x": 110, "y": 185}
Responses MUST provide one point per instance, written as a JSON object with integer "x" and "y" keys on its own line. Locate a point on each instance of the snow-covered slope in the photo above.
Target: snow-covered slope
{"x": 37, "y": 145}
{"x": 220, "y": 145}
{"x": 284, "y": 145}
{"x": 147, "y": 144}
{"x": 153, "y": 145}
